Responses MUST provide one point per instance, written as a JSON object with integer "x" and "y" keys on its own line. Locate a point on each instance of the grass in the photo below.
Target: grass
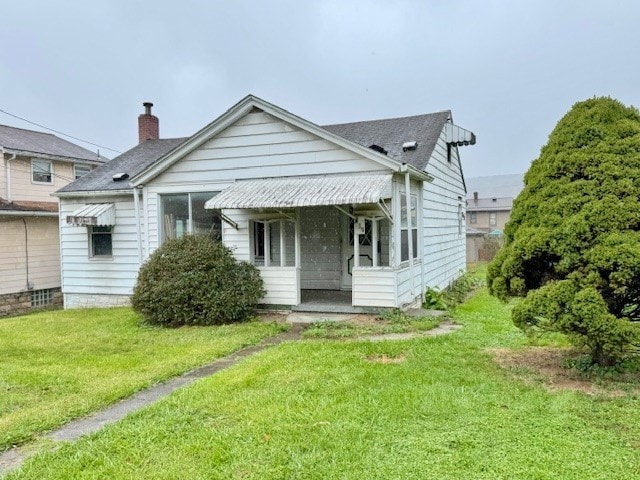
{"x": 59, "y": 365}
{"x": 393, "y": 322}
{"x": 427, "y": 408}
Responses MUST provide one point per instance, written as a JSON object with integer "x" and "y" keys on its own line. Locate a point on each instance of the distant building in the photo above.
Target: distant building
{"x": 489, "y": 204}
{"x": 32, "y": 166}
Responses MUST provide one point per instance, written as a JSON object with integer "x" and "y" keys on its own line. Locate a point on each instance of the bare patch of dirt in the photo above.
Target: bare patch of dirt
{"x": 386, "y": 359}
{"x": 363, "y": 319}
{"x": 545, "y": 365}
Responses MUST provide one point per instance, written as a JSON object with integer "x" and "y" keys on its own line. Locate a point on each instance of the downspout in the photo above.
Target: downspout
{"x": 8, "y": 174}
{"x": 26, "y": 250}
{"x": 136, "y": 207}
{"x": 407, "y": 193}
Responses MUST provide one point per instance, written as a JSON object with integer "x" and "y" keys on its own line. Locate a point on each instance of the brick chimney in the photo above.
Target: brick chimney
{"x": 148, "y": 125}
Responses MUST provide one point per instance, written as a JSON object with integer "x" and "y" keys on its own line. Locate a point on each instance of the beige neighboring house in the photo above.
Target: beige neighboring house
{"x": 34, "y": 165}
{"x": 489, "y": 204}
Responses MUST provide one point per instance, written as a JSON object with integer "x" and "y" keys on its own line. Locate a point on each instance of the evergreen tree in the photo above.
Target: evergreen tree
{"x": 573, "y": 241}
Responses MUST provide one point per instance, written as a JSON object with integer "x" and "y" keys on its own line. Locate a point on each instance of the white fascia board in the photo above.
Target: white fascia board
{"x": 101, "y": 193}
{"x": 57, "y": 158}
{"x": 27, "y": 213}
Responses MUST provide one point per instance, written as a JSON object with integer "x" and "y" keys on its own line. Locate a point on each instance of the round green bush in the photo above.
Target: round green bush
{"x": 194, "y": 281}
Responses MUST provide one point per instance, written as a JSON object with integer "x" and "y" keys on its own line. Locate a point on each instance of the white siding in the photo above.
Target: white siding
{"x": 261, "y": 146}
{"x": 281, "y": 284}
{"x": 444, "y": 242}
{"x": 85, "y": 276}
{"x": 405, "y": 297}
{"x": 374, "y": 287}
{"x": 36, "y": 239}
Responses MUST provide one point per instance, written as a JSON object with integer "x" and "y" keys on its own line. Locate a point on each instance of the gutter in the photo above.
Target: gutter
{"x": 27, "y": 213}
{"x": 89, "y": 193}
{"x": 48, "y": 156}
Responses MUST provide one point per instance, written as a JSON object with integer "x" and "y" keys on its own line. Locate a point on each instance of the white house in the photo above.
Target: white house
{"x": 371, "y": 212}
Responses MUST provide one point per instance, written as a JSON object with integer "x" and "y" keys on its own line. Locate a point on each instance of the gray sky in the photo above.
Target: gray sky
{"x": 507, "y": 69}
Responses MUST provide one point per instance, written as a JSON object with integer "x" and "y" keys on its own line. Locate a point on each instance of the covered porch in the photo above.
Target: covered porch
{"x": 332, "y": 245}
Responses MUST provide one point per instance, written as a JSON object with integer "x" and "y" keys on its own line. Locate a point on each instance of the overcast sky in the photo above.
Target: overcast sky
{"x": 507, "y": 69}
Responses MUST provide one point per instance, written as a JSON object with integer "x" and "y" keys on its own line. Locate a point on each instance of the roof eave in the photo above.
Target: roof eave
{"x": 91, "y": 193}
{"x": 47, "y": 156}
{"x": 27, "y": 213}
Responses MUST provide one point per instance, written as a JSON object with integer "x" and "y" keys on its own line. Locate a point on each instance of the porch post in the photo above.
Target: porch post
{"x": 282, "y": 245}
{"x": 356, "y": 247}
{"x": 374, "y": 240}
{"x": 267, "y": 244}
{"x": 407, "y": 187}
{"x": 297, "y": 239}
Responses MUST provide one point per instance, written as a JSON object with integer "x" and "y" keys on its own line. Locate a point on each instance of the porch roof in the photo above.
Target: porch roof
{"x": 313, "y": 191}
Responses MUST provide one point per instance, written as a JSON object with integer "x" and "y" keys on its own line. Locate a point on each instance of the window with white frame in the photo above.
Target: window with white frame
{"x": 405, "y": 235}
{"x": 493, "y": 219}
{"x": 473, "y": 217}
{"x": 100, "y": 241}
{"x": 185, "y": 213}
{"x": 41, "y": 171}
{"x": 80, "y": 170}
{"x": 273, "y": 242}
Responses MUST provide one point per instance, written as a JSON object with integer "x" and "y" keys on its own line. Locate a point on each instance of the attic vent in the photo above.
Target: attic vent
{"x": 409, "y": 146}
{"x": 378, "y": 149}
{"x": 118, "y": 177}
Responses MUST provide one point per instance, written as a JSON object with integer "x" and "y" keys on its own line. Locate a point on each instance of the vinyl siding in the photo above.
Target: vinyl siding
{"x": 444, "y": 252}
{"x": 281, "y": 284}
{"x": 83, "y": 275}
{"x": 41, "y": 245}
{"x": 374, "y": 287}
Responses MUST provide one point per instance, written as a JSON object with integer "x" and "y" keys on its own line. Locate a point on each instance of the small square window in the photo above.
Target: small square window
{"x": 100, "y": 242}
{"x": 80, "y": 170}
{"x": 41, "y": 171}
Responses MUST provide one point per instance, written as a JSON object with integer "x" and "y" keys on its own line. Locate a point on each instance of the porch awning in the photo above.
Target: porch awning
{"x": 304, "y": 191}
{"x": 458, "y": 136}
{"x": 98, "y": 214}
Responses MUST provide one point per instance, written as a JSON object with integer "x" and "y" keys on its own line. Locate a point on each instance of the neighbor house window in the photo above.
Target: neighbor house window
{"x": 405, "y": 235}
{"x": 80, "y": 170}
{"x": 493, "y": 220}
{"x": 185, "y": 213}
{"x": 41, "y": 171}
{"x": 473, "y": 217}
{"x": 100, "y": 242}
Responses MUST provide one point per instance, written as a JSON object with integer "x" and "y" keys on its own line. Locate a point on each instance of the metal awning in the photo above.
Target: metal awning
{"x": 98, "y": 214}
{"x": 458, "y": 136}
{"x": 304, "y": 191}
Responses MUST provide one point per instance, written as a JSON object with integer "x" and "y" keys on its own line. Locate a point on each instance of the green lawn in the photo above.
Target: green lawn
{"x": 428, "y": 408}
{"x": 58, "y": 365}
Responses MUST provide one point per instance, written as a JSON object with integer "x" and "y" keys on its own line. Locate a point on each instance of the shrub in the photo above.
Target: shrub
{"x": 572, "y": 244}
{"x": 194, "y": 281}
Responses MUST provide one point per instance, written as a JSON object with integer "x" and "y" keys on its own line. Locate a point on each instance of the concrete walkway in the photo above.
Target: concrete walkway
{"x": 12, "y": 459}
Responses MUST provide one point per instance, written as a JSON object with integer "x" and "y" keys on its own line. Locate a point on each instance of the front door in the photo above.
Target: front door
{"x": 348, "y": 255}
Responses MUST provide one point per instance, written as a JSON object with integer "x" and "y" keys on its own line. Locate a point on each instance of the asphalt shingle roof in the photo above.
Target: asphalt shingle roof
{"x": 391, "y": 133}
{"x": 29, "y": 141}
{"x": 131, "y": 162}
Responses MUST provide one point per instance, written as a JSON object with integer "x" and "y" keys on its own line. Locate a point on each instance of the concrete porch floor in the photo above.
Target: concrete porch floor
{"x": 327, "y": 301}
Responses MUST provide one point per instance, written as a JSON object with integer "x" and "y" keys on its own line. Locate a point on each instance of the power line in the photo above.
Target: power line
{"x": 58, "y": 132}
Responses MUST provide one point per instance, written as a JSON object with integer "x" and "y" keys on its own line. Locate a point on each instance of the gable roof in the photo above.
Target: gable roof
{"x": 131, "y": 162}
{"x": 392, "y": 133}
{"x": 147, "y": 160}
{"x": 32, "y": 143}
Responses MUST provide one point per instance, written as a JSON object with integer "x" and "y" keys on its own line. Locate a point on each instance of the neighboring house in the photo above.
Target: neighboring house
{"x": 368, "y": 212}
{"x": 34, "y": 165}
{"x": 489, "y": 204}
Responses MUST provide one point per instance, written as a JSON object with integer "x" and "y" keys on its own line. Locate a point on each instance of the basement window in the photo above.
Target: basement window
{"x": 43, "y": 297}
